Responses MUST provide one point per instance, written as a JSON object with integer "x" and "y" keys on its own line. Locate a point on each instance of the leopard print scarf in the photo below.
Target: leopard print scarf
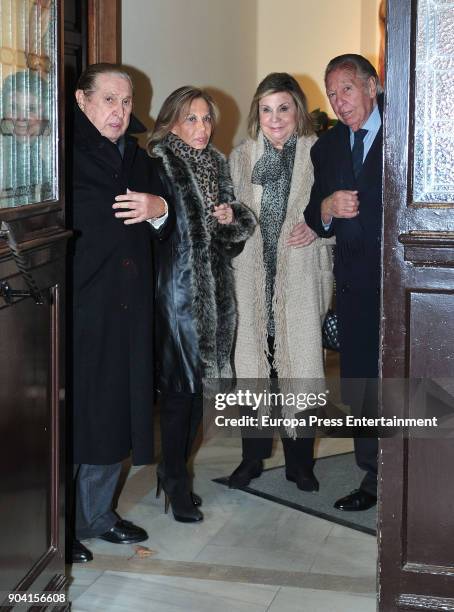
{"x": 274, "y": 172}
{"x": 205, "y": 171}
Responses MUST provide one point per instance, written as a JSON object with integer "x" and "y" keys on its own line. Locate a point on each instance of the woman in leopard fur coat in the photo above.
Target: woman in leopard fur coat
{"x": 194, "y": 286}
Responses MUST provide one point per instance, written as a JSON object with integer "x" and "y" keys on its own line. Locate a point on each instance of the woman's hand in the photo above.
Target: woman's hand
{"x": 301, "y": 235}
{"x": 140, "y": 207}
{"x": 223, "y": 213}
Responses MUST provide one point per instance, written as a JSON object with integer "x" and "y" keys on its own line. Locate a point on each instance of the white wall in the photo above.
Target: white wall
{"x": 228, "y": 46}
{"x": 301, "y": 36}
{"x": 370, "y": 30}
{"x": 207, "y": 43}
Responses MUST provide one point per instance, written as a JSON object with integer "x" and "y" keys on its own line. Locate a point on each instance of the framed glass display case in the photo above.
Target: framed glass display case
{"x": 28, "y": 102}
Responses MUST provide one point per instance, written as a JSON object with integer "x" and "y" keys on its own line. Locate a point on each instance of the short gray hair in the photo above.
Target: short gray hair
{"x": 359, "y": 64}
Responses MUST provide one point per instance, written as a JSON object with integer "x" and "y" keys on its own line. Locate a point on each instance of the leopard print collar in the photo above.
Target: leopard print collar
{"x": 203, "y": 164}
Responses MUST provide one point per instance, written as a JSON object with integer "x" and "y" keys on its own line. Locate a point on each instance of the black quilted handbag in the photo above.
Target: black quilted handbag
{"x": 330, "y": 335}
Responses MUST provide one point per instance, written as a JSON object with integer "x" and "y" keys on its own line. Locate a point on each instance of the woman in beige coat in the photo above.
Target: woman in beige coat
{"x": 284, "y": 274}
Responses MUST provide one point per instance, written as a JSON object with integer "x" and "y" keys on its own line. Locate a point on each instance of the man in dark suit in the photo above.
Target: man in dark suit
{"x": 346, "y": 202}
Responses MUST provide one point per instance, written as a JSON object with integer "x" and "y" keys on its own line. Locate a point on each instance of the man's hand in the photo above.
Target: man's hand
{"x": 301, "y": 236}
{"x": 139, "y": 207}
{"x": 223, "y": 213}
{"x": 342, "y": 204}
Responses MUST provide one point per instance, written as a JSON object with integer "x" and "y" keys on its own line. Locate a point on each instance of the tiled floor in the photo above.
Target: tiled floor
{"x": 248, "y": 554}
{"x": 116, "y": 591}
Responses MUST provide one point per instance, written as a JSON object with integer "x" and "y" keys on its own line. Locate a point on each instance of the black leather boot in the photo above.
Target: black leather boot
{"x": 196, "y": 499}
{"x": 179, "y": 425}
{"x": 180, "y": 500}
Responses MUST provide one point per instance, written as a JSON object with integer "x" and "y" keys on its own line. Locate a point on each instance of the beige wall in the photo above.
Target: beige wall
{"x": 227, "y": 46}
{"x": 301, "y": 36}
{"x": 207, "y": 43}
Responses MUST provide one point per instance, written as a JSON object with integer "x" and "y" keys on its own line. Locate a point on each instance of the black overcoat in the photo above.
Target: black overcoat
{"x": 195, "y": 295}
{"x": 112, "y": 303}
{"x": 357, "y": 267}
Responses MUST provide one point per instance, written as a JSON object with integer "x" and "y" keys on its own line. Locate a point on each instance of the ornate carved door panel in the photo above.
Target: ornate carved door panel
{"x": 416, "y": 530}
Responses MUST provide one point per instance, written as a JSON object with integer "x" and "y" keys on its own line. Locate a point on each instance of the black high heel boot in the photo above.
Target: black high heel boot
{"x": 194, "y": 425}
{"x": 196, "y": 499}
{"x": 183, "y": 508}
{"x": 180, "y": 418}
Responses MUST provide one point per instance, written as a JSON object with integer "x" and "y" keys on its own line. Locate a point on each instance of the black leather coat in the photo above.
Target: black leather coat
{"x": 194, "y": 295}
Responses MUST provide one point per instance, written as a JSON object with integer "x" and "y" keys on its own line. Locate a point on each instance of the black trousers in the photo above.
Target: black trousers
{"x": 366, "y": 444}
{"x": 298, "y": 452}
{"x": 366, "y": 452}
{"x": 180, "y": 417}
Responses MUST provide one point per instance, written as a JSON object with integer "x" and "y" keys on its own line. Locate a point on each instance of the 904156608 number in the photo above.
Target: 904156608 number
{"x": 24, "y": 597}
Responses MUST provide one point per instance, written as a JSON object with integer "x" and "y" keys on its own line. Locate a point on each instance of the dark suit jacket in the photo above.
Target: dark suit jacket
{"x": 357, "y": 266}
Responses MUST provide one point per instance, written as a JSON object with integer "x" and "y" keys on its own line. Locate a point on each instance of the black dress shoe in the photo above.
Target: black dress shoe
{"x": 245, "y": 472}
{"x": 80, "y": 553}
{"x": 305, "y": 479}
{"x": 356, "y": 500}
{"x": 124, "y": 532}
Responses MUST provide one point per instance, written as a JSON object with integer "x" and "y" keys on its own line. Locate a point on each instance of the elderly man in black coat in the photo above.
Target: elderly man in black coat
{"x": 112, "y": 324}
{"x": 346, "y": 202}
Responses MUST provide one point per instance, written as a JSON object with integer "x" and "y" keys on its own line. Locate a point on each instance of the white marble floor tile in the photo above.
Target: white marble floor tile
{"x": 309, "y": 600}
{"x": 167, "y": 537}
{"x": 347, "y": 556}
{"x": 259, "y": 533}
{"x": 273, "y": 527}
{"x": 126, "y": 592}
{"x": 339, "y": 531}
{"x": 239, "y": 530}
{"x": 80, "y": 578}
{"x": 258, "y": 593}
{"x": 259, "y": 557}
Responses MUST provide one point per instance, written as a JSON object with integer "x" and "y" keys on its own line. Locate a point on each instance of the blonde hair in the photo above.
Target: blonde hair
{"x": 277, "y": 82}
{"x": 172, "y": 108}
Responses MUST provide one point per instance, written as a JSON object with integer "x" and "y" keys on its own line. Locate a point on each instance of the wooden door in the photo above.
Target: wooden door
{"x": 416, "y": 508}
{"x": 32, "y": 289}
{"x": 43, "y": 59}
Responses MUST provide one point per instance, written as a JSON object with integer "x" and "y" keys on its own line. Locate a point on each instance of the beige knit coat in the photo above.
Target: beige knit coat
{"x": 303, "y": 284}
